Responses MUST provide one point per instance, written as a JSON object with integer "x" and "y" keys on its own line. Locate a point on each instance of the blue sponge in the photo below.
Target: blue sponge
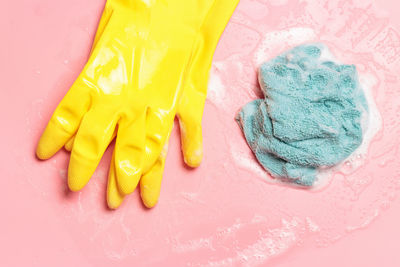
{"x": 310, "y": 116}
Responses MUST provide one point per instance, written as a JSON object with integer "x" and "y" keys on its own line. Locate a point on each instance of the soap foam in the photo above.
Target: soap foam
{"x": 272, "y": 43}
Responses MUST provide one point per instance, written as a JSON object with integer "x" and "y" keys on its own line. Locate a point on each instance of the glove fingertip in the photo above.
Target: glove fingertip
{"x": 47, "y": 146}
{"x": 114, "y": 200}
{"x": 42, "y": 153}
{"x": 193, "y": 158}
{"x": 192, "y": 143}
{"x": 149, "y": 200}
{"x": 150, "y": 190}
{"x": 68, "y": 146}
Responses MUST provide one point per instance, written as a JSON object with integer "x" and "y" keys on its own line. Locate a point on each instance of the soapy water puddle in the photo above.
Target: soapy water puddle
{"x": 267, "y": 218}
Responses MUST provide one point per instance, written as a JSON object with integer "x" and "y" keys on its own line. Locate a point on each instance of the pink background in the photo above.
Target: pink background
{"x": 227, "y": 212}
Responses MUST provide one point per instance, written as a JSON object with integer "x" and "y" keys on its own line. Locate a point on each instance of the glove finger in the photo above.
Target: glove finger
{"x": 150, "y": 184}
{"x": 91, "y": 141}
{"x": 191, "y": 131}
{"x": 64, "y": 122}
{"x": 158, "y": 128}
{"x": 114, "y": 197}
{"x": 129, "y": 153}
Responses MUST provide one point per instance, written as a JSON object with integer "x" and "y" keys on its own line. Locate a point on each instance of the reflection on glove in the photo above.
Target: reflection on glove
{"x": 143, "y": 69}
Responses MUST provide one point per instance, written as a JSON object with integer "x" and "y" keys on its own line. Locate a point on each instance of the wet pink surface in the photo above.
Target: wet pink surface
{"x": 228, "y": 212}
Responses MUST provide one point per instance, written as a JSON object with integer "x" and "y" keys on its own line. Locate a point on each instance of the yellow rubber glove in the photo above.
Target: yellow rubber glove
{"x": 133, "y": 79}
